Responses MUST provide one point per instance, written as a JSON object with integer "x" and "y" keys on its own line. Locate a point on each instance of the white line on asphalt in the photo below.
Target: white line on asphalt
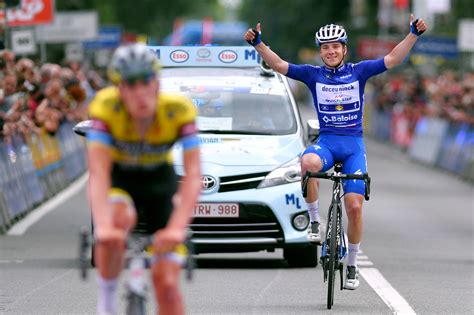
{"x": 386, "y": 292}
{"x": 35, "y": 215}
{"x": 381, "y": 286}
{"x": 38, "y": 289}
{"x": 255, "y": 310}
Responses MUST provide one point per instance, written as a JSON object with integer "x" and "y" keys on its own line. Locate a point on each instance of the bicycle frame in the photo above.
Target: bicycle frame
{"x": 334, "y": 247}
{"x": 137, "y": 260}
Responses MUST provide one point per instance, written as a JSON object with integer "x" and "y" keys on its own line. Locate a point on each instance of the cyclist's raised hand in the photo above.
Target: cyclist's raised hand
{"x": 417, "y": 26}
{"x": 252, "y": 36}
{"x": 166, "y": 240}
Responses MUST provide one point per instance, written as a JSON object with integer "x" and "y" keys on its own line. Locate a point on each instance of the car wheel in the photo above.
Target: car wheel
{"x": 302, "y": 256}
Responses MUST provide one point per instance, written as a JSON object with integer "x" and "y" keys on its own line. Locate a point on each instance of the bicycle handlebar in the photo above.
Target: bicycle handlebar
{"x": 136, "y": 245}
{"x": 337, "y": 176}
{"x": 333, "y": 176}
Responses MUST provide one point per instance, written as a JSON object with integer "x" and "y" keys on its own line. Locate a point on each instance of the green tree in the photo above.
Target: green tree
{"x": 153, "y": 18}
{"x": 288, "y": 25}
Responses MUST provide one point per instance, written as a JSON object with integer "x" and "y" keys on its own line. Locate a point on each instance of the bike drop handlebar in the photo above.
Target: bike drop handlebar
{"x": 336, "y": 176}
{"x": 136, "y": 245}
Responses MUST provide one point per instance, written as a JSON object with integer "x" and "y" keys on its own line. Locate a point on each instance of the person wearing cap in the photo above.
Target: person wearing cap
{"x": 337, "y": 88}
{"x": 131, "y": 176}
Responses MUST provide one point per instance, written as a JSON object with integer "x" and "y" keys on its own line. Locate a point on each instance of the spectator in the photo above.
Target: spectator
{"x": 408, "y": 98}
{"x": 36, "y": 97}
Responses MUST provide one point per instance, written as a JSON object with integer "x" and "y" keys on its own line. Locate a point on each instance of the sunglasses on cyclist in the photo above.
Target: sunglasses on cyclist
{"x": 144, "y": 78}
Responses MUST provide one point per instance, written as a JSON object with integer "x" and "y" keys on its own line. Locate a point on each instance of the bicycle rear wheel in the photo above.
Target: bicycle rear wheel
{"x": 333, "y": 259}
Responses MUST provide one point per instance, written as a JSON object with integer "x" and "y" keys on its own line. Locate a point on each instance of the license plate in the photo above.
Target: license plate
{"x": 216, "y": 210}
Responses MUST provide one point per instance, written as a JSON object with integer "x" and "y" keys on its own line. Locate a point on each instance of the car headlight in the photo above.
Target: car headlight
{"x": 289, "y": 172}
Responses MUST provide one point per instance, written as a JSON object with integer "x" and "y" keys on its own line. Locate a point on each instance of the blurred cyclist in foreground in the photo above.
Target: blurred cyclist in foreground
{"x": 338, "y": 94}
{"x": 131, "y": 173}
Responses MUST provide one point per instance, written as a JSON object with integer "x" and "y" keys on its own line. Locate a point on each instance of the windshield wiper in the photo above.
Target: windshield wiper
{"x": 236, "y": 132}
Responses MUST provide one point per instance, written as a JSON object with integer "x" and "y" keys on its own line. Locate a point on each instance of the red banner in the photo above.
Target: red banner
{"x": 31, "y": 12}
{"x": 374, "y": 48}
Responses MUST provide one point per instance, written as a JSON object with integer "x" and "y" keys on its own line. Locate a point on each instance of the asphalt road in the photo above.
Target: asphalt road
{"x": 418, "y": 257}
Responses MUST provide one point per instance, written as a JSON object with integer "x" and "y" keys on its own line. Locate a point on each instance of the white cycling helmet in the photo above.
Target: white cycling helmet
{"x": 331, "y": 33}
{"x": 132, "y": 61}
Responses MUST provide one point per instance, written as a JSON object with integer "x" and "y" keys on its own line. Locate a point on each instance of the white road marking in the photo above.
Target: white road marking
{"x": 371, "y": 275}
{"x": 381, "y": 286}
{"x": 387, "y": 293}
{"x": 35, "y": 215}
{"x": 256, "y": 310}
{"x": 38, "y": 289}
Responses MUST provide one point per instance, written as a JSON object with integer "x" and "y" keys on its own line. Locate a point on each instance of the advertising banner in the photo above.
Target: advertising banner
{"x": 445, "y": 47}
{"x": 69, "y": 27}
{"x": 372, "y": 48}
{"x": 428, "y": 138}
{"x": 109, "y": 37}
{"x": 456, "y": 154}
{"x": 31, "y": 12}
{"x": 465, "y": 38}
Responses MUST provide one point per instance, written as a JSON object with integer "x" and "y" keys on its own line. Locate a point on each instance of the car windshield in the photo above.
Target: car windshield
{"x": 236, "y": 105}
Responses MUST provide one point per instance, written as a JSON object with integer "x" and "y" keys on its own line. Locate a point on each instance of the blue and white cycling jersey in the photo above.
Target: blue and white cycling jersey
{"x": 338, "y": 94}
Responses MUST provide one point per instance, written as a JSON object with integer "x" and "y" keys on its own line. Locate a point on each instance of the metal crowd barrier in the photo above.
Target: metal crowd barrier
{"x": 435, "y": 142}
{"x": 38, "y": 167}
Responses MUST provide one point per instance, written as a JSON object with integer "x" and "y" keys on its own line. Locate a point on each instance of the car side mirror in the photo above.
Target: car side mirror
{"x": 312, "y": 129}
{"x": 82, "y": 127}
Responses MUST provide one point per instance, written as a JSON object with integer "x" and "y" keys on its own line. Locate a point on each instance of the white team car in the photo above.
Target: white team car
{"x": 251, "y": 138}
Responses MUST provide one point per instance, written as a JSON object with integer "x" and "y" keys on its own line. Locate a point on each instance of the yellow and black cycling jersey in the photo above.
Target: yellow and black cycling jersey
{"x": 113, "y": 127}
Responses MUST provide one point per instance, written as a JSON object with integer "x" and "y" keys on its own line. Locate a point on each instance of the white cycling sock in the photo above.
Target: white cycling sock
{"x": 107, "y": 298}
{"x": 353, "y": 250}
{"x": 313, "y": 211}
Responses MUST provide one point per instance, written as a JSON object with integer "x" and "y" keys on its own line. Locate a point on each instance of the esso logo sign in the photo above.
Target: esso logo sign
{"x": 227, "y": 56}
{"x": 179, "y": 56}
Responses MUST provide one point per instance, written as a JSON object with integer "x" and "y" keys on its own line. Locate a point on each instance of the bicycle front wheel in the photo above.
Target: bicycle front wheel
{"x": 333, "y": 259}
{"x": 135, "y": 304}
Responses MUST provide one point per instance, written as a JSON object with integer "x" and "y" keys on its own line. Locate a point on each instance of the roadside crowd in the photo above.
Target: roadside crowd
{"x": 36, "y": 98}
{"x": 39, "y": 97}
{"x": 408, "y": 97}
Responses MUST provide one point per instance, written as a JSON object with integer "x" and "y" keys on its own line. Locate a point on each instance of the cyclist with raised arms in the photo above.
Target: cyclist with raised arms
{"x": 131, "y": 176}
{"x": 338, "y": 94}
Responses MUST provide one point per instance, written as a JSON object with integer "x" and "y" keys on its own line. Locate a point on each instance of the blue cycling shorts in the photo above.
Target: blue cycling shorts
{"x": 346, "y": 149}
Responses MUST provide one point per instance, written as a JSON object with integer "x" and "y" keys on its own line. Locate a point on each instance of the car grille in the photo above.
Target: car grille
{"x": 254, "y": 222}
{"x": 241, "y": 182}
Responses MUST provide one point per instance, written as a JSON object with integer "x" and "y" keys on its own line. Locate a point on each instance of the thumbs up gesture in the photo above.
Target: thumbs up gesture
{"x": 252, "y": 36}
{"x": 417, "y": 26}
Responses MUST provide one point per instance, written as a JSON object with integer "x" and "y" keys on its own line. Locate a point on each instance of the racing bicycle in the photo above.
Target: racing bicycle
{"x": 139, "y": 257}
{"x": 334, "y": 247}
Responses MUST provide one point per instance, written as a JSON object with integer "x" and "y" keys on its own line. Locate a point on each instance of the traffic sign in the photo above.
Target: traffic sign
{"x": 23, "y": 42}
